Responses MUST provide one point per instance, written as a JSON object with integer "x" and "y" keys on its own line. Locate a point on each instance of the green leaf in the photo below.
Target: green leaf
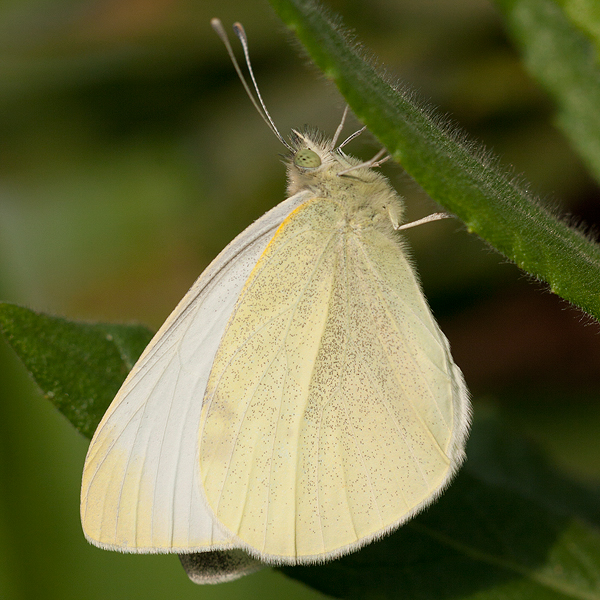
{"x": 454, "y": 171}
{"x": 79, "y": 366}
{"x": 493, "y": 534}
{"x": 585, "y": 14}
{"x": 501, "y": 458}
{"x": 558, "y": 50}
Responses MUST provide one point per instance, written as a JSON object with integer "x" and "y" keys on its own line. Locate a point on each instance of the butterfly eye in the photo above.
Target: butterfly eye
{"x": 307, "y": 159}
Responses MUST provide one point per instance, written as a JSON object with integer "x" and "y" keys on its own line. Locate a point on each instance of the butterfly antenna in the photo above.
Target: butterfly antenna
{"x": 260, "y": 105}
{"x": 339, "y": 129}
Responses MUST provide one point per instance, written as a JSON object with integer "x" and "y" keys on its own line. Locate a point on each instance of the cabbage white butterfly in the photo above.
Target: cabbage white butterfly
{"x": 299, "y": 402}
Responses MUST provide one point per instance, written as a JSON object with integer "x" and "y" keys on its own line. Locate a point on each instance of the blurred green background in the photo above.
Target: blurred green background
{"x": 129, "y": 156}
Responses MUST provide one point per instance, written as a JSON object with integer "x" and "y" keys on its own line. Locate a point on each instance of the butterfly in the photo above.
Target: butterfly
{"x": 299, "y": 402}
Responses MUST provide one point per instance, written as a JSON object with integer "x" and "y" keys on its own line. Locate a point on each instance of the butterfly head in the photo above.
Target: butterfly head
{"x": 313, "y": 161}
{"x": 315, "y": 164}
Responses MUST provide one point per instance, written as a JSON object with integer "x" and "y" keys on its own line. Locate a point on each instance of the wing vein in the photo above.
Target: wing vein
{"x": 142, "y": 469}
{"x": 384, "y": 303}
{"x": 348, "y": 418}
{"x": 160, "y": 460}
{"x": 402, "y": 435}
{"x": 374, "y": 269}
{"x": 266, "y": 370}
{"x": 273, "y": 447}
{"x": 107, "y": 452}
{"x": 400, "y": 383}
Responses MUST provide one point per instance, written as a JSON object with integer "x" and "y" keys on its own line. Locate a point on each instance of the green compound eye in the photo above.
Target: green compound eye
{"x": 307, "y": 159}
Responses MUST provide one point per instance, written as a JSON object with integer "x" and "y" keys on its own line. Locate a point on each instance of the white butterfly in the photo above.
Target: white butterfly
{"x": 298, "y": 403}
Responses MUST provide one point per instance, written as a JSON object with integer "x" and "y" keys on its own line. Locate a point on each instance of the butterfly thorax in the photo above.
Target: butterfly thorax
{"x": 365, "y": 195}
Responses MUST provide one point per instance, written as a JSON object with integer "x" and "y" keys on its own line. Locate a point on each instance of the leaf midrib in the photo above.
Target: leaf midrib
{"x": 508, "y": 565}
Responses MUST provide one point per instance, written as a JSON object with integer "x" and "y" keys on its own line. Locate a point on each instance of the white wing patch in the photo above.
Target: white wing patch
{"x": 334, "y": 411}
{"x": 140, "y": 490}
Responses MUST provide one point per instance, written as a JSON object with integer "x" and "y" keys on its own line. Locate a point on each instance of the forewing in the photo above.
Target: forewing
{"x": 334, "y": 411}
{"x": 140, "y": 490}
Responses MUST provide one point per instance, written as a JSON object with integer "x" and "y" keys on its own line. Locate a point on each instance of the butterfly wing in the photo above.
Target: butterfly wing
{"x": 334, "y": 411}
{"x": 140, "y": 489}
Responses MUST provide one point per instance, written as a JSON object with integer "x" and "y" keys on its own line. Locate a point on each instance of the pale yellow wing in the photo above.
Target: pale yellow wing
{"x": 334, "y": 411}
{"x": 140, "y": 490}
